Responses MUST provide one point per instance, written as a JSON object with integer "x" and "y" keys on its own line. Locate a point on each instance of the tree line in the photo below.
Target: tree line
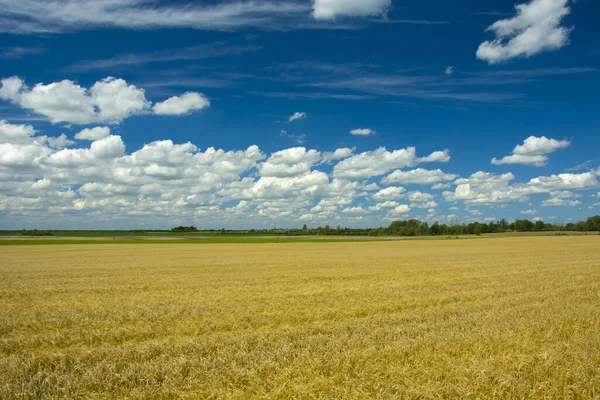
{"x": 411, "y": 227}
{"x": 415, "y": 227}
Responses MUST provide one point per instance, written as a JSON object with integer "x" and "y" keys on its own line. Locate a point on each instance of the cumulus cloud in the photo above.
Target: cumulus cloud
{"x": 330, "y": 9}
{"x": 362, "y": 132}
{"x": 418, "y": 176}
{"x": 46, "y": 179}
{"x": 384, "y": 205}
{"x": 390, "y": 193}
{"x": 557, "y": 202}
{"x": 10, "y": 88}
{"x": 16, "y": 134}
{"x": 533, "y": 151}
{"x": 540, "y": 145}
{"x": 421, "y": 200}
{"x": 25, "y": 135}
{"x": 450, "y": 70}
{"x": 398, "y": 211}
{"x": 109, "y": 100}
{"x": 536, "y": 161}
{"x": 338, "y": 154}
{"x": 180, "y": 105}
{"x": 487, "y": 188}
{"x": 288, "y": 187}
{"x": 548, "y": 184}
{"x": 92, "y": 134}
{"x": 529, "y": 212}
{"x": 296, "y": 116}
{"x": 535, "y": 29}
{"x": 290, "y": 162}
{"x": 59, "y": 142}
{"x": 437, "y": 156}
{"x": 355, "y": 210}
{"x": 381, "y": 161}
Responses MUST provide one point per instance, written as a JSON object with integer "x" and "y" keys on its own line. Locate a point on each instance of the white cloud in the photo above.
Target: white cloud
{"x": 16, "y": 134}
{"x": 330, "y": 9}
{"x": 296, "y": 116}
{"x": 418, "y": 176}
{"x": 109, "y": 101}
{"x": 484, "y": 188}
{"x": 25, "y": 135}
{"x": 362, "y": 132}
{"x": 535, "y": 29}
{"x": 32, "y": 16}
{"x": 99, "y": 151}
{"x": 487, "y": 188}
{"x": 59, "y": 142}
{"x": 548, "y": 184}
{"x": 338, "y": 154}
{"x": 540, "y": 145}
{"x": 564, "y": 194}
{"x": 390, "y": 193}
{"x": 399, "y": 210}
{"x": 290, "y": 162}
{"x": 437, "y": 156}
{"x": 533, "y": 151}
{"x": 301, "y": 138}
{"x": 180, "y": 105}
{"x": 421, "y": 200}
{"x": 117, "y": 100}
{"x": 529, "y": 212}
{"x": 384, "y": 205}
{"x": 288, "y": 187}
{"x": 536, "y": 161}
{"x": 354, "y": 210}
{"x": 557, "y": 202}
{"x": 92, "y": 134}
{"x": 450, "y": 70}
{"x": 381, "y": 161}
{"x": 373, "y": 163}
{"x": 170, "y": 183}
{"x": 10, "y": 88}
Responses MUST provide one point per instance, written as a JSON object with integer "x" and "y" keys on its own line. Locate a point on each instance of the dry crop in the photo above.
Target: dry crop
{"x": 482, "y": 318}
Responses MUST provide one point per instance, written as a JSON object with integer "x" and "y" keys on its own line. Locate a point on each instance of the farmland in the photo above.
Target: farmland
{"x": 511, "y": 317}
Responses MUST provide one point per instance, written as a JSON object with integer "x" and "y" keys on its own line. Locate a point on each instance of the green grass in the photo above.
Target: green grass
{"x": 460, "y": 319}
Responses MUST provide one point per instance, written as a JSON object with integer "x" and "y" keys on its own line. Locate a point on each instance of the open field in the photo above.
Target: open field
{"x": 123, "y": 237}
{"x": 487, "y": 318}
{"x": 49, "y": 240}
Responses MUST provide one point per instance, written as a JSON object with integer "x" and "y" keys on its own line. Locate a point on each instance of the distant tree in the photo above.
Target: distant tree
{"x": 185, "y": 229}
{"x": 523, "y": 225}
{"x": 435, "y": 229}
{"x": 502, "y": 225}
{"x": 540, "y": 226}
{"x": 593, "y": 223}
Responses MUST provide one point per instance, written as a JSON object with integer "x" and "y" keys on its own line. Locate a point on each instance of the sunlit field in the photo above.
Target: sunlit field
{"x": 466, "y": 319}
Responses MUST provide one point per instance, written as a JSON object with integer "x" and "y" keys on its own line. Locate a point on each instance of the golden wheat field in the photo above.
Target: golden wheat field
{"x": 467, "y": 319}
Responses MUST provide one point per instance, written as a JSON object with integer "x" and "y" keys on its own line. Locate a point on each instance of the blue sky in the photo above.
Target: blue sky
{"x": 237, "y": 114}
